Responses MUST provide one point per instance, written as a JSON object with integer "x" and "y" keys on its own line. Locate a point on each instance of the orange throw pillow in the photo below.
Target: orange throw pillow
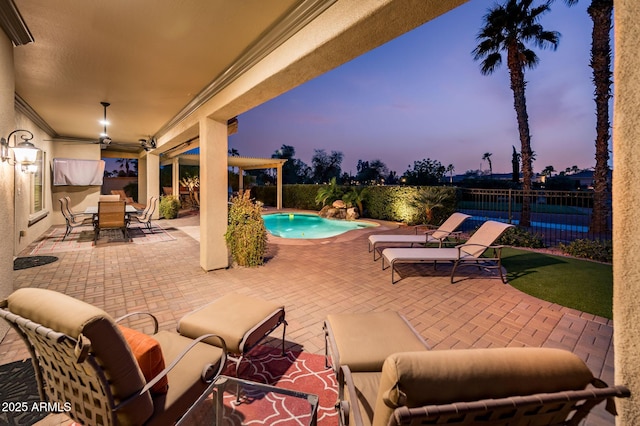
{"x": 147, "y": 351}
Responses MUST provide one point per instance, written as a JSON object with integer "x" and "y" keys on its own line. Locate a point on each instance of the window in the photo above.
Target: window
{"x": 37, "y": 186}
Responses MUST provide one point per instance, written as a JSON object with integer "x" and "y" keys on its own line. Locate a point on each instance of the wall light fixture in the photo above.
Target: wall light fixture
{"x": 25, "y": 153}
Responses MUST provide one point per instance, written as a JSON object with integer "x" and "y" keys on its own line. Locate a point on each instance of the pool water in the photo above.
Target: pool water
{"x": 299, "y": 225}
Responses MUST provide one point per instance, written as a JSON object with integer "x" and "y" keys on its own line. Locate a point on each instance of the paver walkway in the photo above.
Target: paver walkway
{"x": 314, "y": 279}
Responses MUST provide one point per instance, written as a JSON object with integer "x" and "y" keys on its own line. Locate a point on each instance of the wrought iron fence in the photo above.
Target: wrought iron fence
{"x": 557, "y": 216}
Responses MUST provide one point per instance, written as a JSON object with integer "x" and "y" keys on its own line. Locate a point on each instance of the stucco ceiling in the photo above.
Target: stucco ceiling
{"x": 148, "y": 58}
{"x": 157, "y": 61}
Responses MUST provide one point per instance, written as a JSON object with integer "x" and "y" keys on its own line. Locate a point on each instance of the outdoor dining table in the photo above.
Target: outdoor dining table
{"x": 94, "y": 209}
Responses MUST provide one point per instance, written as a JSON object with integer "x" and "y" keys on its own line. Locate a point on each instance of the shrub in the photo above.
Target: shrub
{"x": 599, "y": 250}
{"x": 520, "y": 237}
{"x": 246, "y": 234}
{"x": 328, "y": 194}
{"x": 169, "y": 206}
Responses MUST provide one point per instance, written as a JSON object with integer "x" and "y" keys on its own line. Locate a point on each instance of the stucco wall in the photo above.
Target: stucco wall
{"x": 626, "y": 202}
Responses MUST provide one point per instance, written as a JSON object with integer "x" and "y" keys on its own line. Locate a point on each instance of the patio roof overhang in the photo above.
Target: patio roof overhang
{"x": 243, "y": 163}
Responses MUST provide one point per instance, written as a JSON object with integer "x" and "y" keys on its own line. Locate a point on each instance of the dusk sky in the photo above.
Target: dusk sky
{"x": 422, "y": 96}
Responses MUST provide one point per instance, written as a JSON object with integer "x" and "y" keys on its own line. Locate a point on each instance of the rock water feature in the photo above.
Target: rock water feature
{"x": 339, "y": 210}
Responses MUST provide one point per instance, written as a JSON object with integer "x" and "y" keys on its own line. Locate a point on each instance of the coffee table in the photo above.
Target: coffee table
{"x": 239, "y": 401}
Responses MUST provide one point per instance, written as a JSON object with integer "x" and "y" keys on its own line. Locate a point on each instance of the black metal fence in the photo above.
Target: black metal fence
{"x": 557, "y": 216}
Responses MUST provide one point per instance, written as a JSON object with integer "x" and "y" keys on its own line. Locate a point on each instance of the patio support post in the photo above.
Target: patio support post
{"x": 213, "y": 194}
{"x": 175, "y": 176}
{"x": 279, "y": 187}
{"x": 152, "y": 179}
{"x": 240, "y": 180}
{"x": 142, "y": 177}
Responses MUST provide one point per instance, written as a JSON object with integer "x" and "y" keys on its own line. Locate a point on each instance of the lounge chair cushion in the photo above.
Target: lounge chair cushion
{"x": 185, "y": 383}
{"x": 365, "y": 340}
{"x": 74, "y": 318}
{"x": 240, "y": 320}
{"x": 148, "y": 353}
{"x": 447, "y": 376}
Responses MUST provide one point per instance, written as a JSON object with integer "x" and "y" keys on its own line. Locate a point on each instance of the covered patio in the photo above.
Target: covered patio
{"x": 313, "y": 279}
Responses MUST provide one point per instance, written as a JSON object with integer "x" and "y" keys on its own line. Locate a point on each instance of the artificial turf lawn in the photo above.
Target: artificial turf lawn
{"x": 574, "y": 283}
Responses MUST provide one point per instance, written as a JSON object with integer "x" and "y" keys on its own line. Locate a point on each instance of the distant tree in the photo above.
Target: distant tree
{"x": 371, "y": 172}
{"x": 126, "y": 164}
{"x": 487, "y": 156}
{"x": 234, "y": 152}
{"x": 508, "y": 28}
{"x": 392, "y": 178}
{"x": 450, "y": 169}
{"x": 547, "y": 171}
{"x": 326, "y": 166}
{"x": 515, "y": 165}
{"x": 294, "y": 170}
{"x": 425, "y": 172}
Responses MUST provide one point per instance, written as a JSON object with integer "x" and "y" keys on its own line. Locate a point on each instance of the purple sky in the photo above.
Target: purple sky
{"x": 422, "y": 96}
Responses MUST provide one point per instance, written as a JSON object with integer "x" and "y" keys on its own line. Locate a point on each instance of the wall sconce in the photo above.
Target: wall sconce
{"x": 25, "y": 153}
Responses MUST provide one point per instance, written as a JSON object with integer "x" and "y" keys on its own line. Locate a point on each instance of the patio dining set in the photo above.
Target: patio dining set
{"x": 112, "y": 212}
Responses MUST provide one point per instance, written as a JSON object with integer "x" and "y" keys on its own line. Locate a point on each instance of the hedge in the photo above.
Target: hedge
{"x": 393, "y": 203}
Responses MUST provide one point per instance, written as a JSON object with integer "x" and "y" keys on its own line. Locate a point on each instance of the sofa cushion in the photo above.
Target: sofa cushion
{"x": 147, "y": 352}
{"x": 414, "y": 379}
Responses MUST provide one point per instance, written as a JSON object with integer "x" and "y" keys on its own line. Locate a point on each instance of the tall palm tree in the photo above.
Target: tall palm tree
{"x": 509, "y": 28}
{"x": 487, "y": 156}
{"x": 601, "y": 12}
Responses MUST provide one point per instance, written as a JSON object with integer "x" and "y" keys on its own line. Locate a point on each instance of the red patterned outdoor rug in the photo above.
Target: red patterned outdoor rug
{"x": 82, "y": 239}
{"x": 299, "y": 371}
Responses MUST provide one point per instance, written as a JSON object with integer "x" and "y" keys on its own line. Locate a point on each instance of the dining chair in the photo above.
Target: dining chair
{"x": 71, "y": 220}
{"x": 111, "y": 215}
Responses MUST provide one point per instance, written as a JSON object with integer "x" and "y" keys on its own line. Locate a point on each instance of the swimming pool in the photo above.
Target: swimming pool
{"x": 303, "y": 226}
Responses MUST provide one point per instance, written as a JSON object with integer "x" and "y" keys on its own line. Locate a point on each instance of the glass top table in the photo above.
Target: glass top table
{"x": 240, "y": 402}
{"x": 94, "y": 209}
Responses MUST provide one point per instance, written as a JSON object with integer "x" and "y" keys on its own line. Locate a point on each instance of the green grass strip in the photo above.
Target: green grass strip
{"x": 579, "y": 284}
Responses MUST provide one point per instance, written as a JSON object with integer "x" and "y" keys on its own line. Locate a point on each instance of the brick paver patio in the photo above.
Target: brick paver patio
{"x": 315, "y": 279}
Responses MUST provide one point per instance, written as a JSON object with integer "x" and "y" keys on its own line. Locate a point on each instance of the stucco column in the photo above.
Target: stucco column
{"x": 213, "y": 194}
{"x": 7, "y": 124}
{"x": 175, "y": 176}
{"x": 153, "y": 178}
{"x": 279, "y": 187}
{"x": 240, "y": 180}
{"x": 142, "y": 179}
{"x": 626, "y": 206}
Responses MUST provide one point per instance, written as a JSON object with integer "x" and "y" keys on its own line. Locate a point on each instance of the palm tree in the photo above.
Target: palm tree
{"x": 509, "y": 27}
{"x": 450, "y": 170}
{"x": 487, "y": 156}
{"x": 515, "y": 165}
{"x": 601, "y": 12}
{"x": 547, "y": 171}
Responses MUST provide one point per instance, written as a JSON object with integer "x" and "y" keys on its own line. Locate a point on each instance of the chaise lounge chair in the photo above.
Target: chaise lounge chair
{"x": 105, "y": 374}
{"x": 495, "y": 386}
{"x": 438, "y": 235}
{"x": 469, "y": 252}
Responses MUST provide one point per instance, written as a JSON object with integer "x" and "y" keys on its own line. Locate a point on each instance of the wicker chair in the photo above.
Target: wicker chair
{"x": 500, "y": 386}
{"x": 83, "y": 361}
